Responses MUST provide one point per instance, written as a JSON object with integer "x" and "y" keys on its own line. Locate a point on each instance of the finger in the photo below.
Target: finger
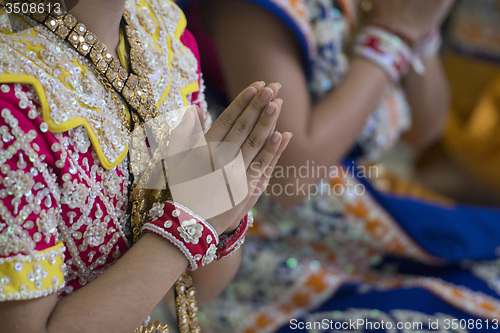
{"x": 226, "y": 120}
{"x": 280, "y": 103}
{"x": 261, "y": 183}
{"x": 259, "y": 166}
{"x": 261, "y": 132}
{"x": 246, "y": 122}
{"x": 266, "y": 176}
{"x": 185, "y": 135}
{"x": 285, "y": 140}
{"x": 202, "y": 115}
{"x": 276, "y": 87}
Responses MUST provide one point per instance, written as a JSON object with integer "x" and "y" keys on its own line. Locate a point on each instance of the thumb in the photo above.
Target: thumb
{"x": 187, "y": 134}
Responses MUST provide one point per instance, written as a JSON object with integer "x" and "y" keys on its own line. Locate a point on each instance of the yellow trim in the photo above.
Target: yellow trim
{"x": 79, "y": 121}
{"x": 156, "y": 34}
{"x": 27, "y": 79}
{"x": 192, "y": 87}
{"x": 28, "y": 277}
{"x": 67, "y": 125}
{"x": 170, "y": 59}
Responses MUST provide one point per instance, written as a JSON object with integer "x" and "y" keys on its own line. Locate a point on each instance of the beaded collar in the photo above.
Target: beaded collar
{"x": 68, "y": 84}
{"x": 134, "y": 87}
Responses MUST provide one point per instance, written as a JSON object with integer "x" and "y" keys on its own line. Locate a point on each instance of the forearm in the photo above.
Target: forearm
{"x": 211, "y": 280}
{"x": 428, "y": 96}
{"x": 325, "y": 131}
{"x": 342, "y": 114}
{"x": 330, "y": 127}
{"x": 117, "y": 301}
{"x": 124, "y": 296}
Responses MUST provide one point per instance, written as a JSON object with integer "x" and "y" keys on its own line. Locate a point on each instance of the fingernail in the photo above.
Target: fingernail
{"x": 280, "y": 100}
{"x": 279, "y": 85}
{"x": 263, "y": 83}
{"x": 266, "y": 94}
{"x": 271, "y": 108}
{"x": 276, "y": 136}
{"x": 250, "y": 93}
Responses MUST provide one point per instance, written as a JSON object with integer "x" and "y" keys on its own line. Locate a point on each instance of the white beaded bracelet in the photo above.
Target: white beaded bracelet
{"x": 385, "y": 49}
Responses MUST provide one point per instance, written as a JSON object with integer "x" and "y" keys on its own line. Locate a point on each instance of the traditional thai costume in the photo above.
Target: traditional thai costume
{"x": 64, "y": 161}
{"x": 343, "y": 254}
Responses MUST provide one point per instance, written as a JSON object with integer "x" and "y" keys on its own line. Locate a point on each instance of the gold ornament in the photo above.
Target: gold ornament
{"x": 136, "y": 89}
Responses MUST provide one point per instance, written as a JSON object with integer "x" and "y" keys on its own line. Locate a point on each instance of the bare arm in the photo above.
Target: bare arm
{"x": 324, "y": 131}
{"x": 118, "y": 301}
{"x": 122, "y": 298}
{"x": 211, "y": 280}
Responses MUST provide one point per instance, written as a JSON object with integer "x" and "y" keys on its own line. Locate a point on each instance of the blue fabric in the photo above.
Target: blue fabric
{"x": 381, "y": 304}
{"x": 281, "y": 14}
{"x": 454, "y": 233}
{"x": 451, "y": 273}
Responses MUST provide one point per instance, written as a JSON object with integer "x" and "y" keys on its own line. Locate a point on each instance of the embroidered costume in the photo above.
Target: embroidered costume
{"x": 65, "y": 140}
{"x": 347, "y": 254}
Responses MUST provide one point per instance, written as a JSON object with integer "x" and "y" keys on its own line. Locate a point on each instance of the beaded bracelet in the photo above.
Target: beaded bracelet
{"x": 385, "y": 49}
{"x": 196, "y": 238}
{"x": 228, "y": 244}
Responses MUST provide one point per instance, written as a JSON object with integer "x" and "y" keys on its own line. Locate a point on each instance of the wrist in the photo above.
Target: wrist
{"x": 231, "y": 229}
{"x": 170, "y": 251}
{"x": 384, "y": 49}
{"x": 193, "y": 236}
{"x": 429, "y": 45}
{"x": 230, "y": 243}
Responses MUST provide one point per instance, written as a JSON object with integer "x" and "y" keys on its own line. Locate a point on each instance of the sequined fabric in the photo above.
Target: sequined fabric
{"x": 335, "y": 244}
{"x": 63, "y": 161}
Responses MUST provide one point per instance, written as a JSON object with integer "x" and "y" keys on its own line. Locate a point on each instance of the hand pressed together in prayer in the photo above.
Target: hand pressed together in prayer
{"x": 238, "y": 153}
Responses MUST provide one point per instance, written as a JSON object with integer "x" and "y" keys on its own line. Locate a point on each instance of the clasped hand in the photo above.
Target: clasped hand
{"x": 221, "y": 174}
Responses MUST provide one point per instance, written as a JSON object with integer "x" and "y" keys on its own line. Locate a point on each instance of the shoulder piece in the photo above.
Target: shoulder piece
{"x": 69, "y": 89}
